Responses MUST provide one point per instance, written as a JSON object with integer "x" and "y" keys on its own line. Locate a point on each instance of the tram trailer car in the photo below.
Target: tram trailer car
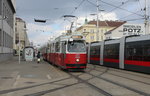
{"x": 68, "y": 52}
{"x": 130, "y": 53}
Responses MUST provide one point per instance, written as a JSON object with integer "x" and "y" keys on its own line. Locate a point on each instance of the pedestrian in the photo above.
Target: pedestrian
{"x": 38, "y": 57}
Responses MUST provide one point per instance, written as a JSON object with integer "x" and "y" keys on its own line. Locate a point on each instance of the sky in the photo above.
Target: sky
{"x": 53, "y": 11}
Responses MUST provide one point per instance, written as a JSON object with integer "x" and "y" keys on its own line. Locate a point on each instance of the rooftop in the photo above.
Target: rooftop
{"x": 105, "y": 23}
{"x": 108, "y": 23}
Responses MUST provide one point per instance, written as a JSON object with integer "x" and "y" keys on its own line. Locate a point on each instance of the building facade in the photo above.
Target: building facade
{"x": 7, "y": 11}
{"x": 126, "y": 29}
{"x": 93, "y": 33}
{"x": 21, "y": 32}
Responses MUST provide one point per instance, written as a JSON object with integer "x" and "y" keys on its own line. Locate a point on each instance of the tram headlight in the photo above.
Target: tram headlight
{"x": 77, "y": 60}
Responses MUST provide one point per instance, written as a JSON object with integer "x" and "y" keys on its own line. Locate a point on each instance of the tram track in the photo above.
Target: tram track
{"x": 91, "y": 85}
{"x": 110, "y": 81}
{"x": 107, "y": 80}
{"x": 51, "y": 90}
{"x": 121, "y": 85}
{"x": 130, "y": 78}
{"x": 129, "y": 72}
{"x": 28, "y": 87}
{"x": 124, "y": 71}
{"x": 79, "y": 81}
{"x": 122, "y": 76}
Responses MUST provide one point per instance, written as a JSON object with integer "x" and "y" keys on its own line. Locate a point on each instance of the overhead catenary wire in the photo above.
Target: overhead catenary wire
{"x": 78, "y": 6}
{"x": 71, "y": 14}
{"x": 140, "y": 4}
{"x": 122, "y": 3}
{"x": 121, "y": 8}
{"x": 128, "y": 15}
{"x": 75, "y": 8}
{"x": 135, "y": 19}
{"x": 91, "y": 3}
{"x": 75, "y": 1}
{"x": 116, "y": 7}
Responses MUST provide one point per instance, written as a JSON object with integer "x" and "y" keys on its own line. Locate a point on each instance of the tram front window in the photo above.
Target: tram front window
{"x": 76, "y": 46}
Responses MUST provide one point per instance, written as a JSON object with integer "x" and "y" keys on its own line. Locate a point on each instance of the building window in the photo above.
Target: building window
{"x": 92, "y": 30}
{"x": 92, "y": 37}
{"x": 84, "y": 30}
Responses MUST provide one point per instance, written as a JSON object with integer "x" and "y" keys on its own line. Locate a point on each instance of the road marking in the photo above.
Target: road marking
{"x": 49, "y": 77}
{"x": 18, "y": 77}
{"x": 14, "y": 86}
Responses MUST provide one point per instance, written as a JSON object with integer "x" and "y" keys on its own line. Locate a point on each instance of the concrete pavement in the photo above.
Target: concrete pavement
{"x": 43, "y": 79}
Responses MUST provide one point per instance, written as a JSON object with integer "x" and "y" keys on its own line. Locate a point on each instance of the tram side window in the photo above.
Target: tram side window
{"x": 146, "y": 52}
{"x": 138, "y": 51}
{"x": 57, "y": 47}
{"x": 95, "y": 50}
{"x": 133, "y": 52}
{"x": 63, "y": 47}
{"x": 47, "y": 50}
{"x": 111, "y": 51}
{"x": 53, "y": 48}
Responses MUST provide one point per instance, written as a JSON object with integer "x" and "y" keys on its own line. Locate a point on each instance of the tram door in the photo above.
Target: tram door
{"x": 63, "y": 53}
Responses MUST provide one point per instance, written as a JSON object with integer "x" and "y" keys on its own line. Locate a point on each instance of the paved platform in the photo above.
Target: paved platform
{"x": 43, "y": 79}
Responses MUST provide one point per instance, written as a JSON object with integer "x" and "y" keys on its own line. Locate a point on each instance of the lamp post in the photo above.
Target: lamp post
{"x": 146, "y": 18}
{"x": 19, "y": 47}
{"x": 24, "y": 29}
{"x": 97, "y": 14}
{"x": 2, "y": 8}
{"x": 97, "y": 33}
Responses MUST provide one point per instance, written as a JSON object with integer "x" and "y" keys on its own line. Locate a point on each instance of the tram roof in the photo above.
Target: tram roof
{"x": 67, "y": 37}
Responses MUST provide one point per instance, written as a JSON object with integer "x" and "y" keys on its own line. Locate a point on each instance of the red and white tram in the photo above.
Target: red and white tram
{"x": 67, "y": 52}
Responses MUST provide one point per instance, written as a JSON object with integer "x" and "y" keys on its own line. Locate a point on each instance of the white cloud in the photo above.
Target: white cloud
{"x": 104, "y": 16}
{"x": 35, "y": 28}
{"x": 40, "y": 40}
{"x": 38, "y": 33}
{"x": 108, "y": 16}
